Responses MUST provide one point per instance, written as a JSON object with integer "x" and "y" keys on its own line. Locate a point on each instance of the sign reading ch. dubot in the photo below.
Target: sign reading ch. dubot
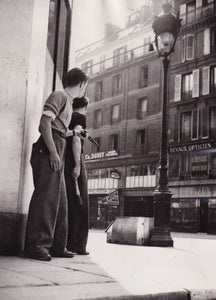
{"x": 192, "y": 147}
{"x": 99, "y": 155}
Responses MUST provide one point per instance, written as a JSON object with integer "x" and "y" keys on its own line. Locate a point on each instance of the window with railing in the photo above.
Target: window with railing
{"x": 115, "y": 114}
{"x": 119, "y": 56}
{"x": 204, "y": 8}
{"x": 195, "y": 10}
{"x": 142, "y": 108}
{"x": 97, "y": 118}
{"x": 143, "y": 76}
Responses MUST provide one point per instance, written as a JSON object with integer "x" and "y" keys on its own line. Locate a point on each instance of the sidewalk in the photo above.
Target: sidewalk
{"x": 186, "y": 271}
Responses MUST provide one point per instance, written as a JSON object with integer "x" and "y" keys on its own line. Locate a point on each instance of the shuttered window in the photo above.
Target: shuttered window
{"x": 206, "y": 48}
{"x": 177, "y": 92}
{"x": 183, "y": 13}
{"x": 205, "y": 80}
{"x": 195, "y": 90}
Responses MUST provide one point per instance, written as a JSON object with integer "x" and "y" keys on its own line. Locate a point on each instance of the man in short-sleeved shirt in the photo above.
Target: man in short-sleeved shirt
{"x": 46, "y": 232}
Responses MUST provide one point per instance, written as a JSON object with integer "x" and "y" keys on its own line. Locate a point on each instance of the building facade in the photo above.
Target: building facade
{"x": 192, "y": 143}
{"x": 34, "y": 51}
{"x": 124, "y": 117}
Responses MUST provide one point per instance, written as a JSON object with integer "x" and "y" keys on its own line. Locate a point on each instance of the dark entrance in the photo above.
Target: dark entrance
{"x": 138, "y": 206}
{"x": 203, "y": 224}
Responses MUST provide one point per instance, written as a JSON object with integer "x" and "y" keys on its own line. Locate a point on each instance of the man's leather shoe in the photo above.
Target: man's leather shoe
{"x": 41, "y": 257}
{"x": 66, "y": 254}
{"x": 82, "y": 252}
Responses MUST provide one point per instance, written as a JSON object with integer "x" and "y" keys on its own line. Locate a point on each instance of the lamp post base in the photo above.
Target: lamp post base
{"x": 161, "y": 232}
{"x": 161, "y": 238}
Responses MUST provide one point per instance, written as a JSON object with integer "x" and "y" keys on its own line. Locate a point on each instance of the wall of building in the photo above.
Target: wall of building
{"x": 23, "y": 50}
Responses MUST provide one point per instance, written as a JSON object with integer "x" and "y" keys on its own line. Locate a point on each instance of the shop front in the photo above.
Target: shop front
{"x": 193, "y": 209}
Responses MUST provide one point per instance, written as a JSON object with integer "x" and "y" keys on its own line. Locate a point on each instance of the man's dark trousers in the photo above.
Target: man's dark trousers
{"x": 47, "y": 224}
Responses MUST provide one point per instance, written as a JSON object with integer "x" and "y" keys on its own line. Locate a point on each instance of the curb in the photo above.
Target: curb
{"x": 181, "y": 295}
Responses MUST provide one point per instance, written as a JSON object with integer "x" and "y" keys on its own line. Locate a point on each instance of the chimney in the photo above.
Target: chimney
{"x": 111, "y": 31}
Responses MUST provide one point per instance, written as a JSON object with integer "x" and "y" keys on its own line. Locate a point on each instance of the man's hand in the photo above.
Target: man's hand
{"x": 76, "y": 172}
{"x": 55, "y": 161}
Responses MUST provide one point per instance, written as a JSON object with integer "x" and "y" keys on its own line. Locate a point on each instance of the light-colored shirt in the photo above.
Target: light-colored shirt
{"x": 58, "y": 106}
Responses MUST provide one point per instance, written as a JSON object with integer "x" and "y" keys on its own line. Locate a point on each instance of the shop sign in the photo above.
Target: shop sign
{"x": 99, "y": 155}
{"x": 199, "y": 165}
{"x": 193, "y": 147}
{"x": 192, "y": 192}
{"x": 111, "y": 199}
{"x": 115, "y": 174}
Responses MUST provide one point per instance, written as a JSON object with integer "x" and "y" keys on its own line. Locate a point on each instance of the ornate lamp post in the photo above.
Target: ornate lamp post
{"x": 166, "y": 27}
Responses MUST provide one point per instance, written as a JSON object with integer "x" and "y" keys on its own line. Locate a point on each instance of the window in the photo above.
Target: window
{"x": 185, "y": 126}
{"x": 57, "y": 43}
{"x": 98, "y": 90}
{"x": 205, "y": 80}
{"x": 213, "y": 80}
{"x": 87, "y": 66}
{"x": 188, "y": 12}
{"x": 142, "y": 108}
{"x": 140, "y": 142}
{"x": 114, "y": 113}
{"x": 206, "y": 43}
{"x": 119, "y": 56}
{"x": 213, "y": 122}
{"x": 205, "y": 123}
{"x": 177, "y": 91}
{"x": 213, "y": 39}
{"x": 146, "y": 45}
{"x": 141, "y": 137}
{"x": 188, "y": 47}
{"x": 94, "y": 147}
{"x": 102, "y": 63}
{"x": 143, "y": 82}
{"x": 117, "y": 85}
{"x": 114, "y": 142}
{"x": 195, "y": 124}
{"x": 204, "y": 8}
{"x": 97, "y": 118}
{"x": 187, "y": 85}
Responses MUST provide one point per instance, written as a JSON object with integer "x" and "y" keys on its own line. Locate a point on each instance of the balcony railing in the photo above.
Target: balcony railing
{"x": 198, "y": 13}
{"x": 120, "y": 59}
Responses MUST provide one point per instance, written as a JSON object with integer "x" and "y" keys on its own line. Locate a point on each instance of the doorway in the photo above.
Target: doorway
{"x": 203, "y": 215}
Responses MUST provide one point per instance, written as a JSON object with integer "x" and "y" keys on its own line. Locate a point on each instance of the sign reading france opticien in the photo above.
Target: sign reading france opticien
{"x": 193, "y": 147}
{"x": 99, "y": 155}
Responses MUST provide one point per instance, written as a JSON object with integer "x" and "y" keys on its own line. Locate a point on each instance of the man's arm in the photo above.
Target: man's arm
{"x": 76, "y": 149}
{"x": 46, "y": 132}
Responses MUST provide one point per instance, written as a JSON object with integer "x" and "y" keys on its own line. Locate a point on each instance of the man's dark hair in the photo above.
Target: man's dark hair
{"x": 75, "y": 76}
{"x": 80, "y": 102}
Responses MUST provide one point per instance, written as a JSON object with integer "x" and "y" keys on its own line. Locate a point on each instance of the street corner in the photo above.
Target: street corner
{"x": 205, "y": 294}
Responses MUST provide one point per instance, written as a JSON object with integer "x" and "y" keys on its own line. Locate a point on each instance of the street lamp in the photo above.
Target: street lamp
{"x": 166, "y": 27}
